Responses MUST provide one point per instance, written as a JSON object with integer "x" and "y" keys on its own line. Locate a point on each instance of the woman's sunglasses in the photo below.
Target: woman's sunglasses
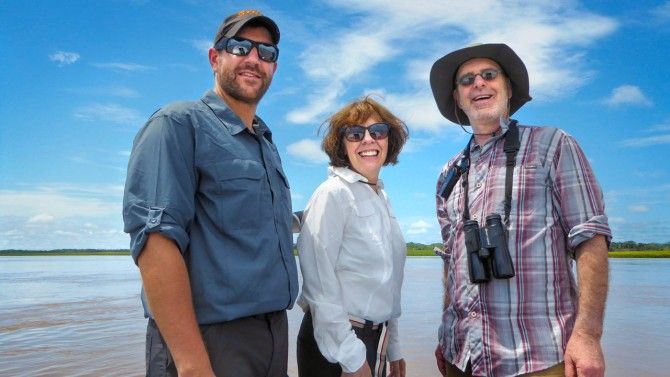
{"x": 356, "y": 133}
{"x": 242, "y": 47}
{"x": 468, "y": 79}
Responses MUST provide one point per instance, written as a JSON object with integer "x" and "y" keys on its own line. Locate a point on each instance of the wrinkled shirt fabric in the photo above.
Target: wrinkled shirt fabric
{"x": 352, "y": 257}
{"x": 520, "y": 325}
{"x": 199, "y": 177}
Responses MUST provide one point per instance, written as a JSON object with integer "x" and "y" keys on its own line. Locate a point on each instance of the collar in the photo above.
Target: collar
{"x": 504, "y": 126}
{"x": 350, "y": 176}
{"x": 229, "y": 119}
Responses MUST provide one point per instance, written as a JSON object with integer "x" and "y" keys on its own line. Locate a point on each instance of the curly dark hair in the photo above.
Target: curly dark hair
{"x": 358, "y": 112}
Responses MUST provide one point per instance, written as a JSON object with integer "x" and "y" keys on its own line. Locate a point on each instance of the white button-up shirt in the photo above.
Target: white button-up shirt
{"x": 352, "y": 256}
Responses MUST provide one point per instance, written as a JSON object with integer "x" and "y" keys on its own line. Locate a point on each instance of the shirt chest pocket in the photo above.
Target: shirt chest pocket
{"x": 242, "y": 193}
{"x": 535, "y": 185}
{"x": 366, "y": 222}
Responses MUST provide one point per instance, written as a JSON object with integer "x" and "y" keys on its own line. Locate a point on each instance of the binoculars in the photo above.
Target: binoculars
{"x": 487, "y": 250}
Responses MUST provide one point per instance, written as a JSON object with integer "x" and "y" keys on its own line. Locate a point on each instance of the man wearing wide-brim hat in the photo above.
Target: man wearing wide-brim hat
{"x": 517, "y": 207}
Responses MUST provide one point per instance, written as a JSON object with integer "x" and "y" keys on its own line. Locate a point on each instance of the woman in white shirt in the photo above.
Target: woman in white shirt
{"x": 352, "y": 252}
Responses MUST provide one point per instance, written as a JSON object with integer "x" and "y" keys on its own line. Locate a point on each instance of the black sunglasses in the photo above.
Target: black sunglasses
{"x": 468, "y": 79}
{"x": 356, "y": 133}
{"x": 242, "y": 47}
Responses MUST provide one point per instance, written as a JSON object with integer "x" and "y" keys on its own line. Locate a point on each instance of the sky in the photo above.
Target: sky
{"x": 80, "y": 78}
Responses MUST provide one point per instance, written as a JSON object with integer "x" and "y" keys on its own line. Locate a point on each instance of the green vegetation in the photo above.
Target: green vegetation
{"x": 627, "y": 249}
{"x": 62, "y": 252}
{"x": 640, "y": 254}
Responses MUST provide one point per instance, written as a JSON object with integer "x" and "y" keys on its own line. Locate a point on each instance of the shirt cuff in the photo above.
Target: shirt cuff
{"x": 355, "y": 358}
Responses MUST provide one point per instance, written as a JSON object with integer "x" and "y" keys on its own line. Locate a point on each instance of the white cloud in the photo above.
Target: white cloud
{"x": 107, "y": 112}
{"x": 41, "y": 218}
{"x": 549, "y": 36}
{"x": 308, "y": 150}
{"x": 663, "y": 11}
{"x": 638, "y": 208}
{"x": 125, "y": 67}
{"x": 203, "y": 45}
{"x": 646, "y": 141}
{"x": 62, "y": 216}
{"x": 419, "y": 227}
{"x": 627, "y": 95}
{"x": 64, "y": 58}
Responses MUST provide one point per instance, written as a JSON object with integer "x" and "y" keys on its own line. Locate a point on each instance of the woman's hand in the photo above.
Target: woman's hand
{"x": 397, "y": 368}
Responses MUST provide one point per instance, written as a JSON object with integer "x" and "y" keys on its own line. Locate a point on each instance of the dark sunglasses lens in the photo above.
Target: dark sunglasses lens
{"x": 238, "y": 47}
{"x": 489, "y": 74}
{"x": 467, "y": 79}
{"x": 354, "y": 133}
{"x": 267, "y": 52}
{"x": 379, "y": 131}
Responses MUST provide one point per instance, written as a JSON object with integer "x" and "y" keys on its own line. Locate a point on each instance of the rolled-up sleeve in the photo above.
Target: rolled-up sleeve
{"x": 579, "y": 195}
{"x": 319, "y": 247}
{"x": 160, "y": 185}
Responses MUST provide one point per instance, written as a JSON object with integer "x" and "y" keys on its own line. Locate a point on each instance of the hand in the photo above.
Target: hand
{"x": 397, "y": 368}
{"x": 439, "y": 357}
{"x": 363, "y": 371}
{"x": 584, "y": 357}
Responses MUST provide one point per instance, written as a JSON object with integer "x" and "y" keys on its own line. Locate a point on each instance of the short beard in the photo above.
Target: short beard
{"x": 228, "y": 85}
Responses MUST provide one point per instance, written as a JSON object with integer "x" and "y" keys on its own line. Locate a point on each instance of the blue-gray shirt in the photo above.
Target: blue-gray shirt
{"x": 200, "y": 178}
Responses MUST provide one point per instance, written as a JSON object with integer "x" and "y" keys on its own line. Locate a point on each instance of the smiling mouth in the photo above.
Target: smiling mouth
{"x": 482, "y": 97}
{"x": 371, "y": 153}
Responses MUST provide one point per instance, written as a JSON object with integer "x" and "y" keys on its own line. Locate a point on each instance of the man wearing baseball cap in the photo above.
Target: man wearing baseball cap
{"x": 208, "y": 210}
{"x": 517, "y": 207}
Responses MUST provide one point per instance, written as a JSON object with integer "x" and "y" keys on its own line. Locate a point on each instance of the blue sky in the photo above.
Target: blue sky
{"x": 79, "y": 78}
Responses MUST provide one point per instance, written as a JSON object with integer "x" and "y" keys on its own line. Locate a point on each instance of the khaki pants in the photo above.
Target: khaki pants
{"x": 557, "y": 370}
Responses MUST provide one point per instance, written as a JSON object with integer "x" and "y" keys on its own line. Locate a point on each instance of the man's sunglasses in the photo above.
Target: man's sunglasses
{"x": 242, "y": 47}
{"x": 377, "y": 131}
{"x": 468, "y": 79}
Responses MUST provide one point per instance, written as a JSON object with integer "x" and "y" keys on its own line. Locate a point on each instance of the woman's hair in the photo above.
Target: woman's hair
{"x": 356, "y": 113}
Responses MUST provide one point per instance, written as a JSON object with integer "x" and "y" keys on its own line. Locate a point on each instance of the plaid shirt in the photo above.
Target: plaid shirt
{"x": 519, "y": 325}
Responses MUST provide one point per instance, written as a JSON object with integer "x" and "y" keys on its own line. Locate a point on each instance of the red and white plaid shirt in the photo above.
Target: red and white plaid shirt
{"x": 520, "y": 325}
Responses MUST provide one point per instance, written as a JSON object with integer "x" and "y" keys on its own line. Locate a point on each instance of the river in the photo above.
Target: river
{"x": 82, "y": 316}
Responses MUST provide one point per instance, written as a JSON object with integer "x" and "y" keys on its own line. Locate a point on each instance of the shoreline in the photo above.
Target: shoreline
{"x": 410, "y": 253}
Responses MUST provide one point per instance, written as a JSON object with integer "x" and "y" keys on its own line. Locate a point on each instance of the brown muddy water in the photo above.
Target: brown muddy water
{"x": 82, "y": 316}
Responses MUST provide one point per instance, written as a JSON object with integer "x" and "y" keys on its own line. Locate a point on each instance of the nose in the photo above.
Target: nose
{"x": 367, "y": 137}
{"x": 253, "y": 55}
{"x": 479, "y": 80}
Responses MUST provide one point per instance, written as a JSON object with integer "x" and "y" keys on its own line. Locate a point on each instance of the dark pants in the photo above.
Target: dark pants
{"x": 311, "y": 362}
{"x": 255, "y": 346}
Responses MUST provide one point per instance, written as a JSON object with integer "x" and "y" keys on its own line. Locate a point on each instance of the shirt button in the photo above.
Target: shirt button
{"x": 153, "y": 221}
{"x": 473, "y": 314}
{"x": 478, "y": 185}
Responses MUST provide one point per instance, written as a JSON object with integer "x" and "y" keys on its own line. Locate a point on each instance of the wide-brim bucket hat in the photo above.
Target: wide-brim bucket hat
{"x": 443, "y": 77}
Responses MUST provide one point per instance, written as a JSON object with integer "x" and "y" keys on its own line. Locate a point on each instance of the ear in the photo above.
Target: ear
{"x": 274, "y": 69}
{"x": 509, "y": 89}
{"x": 213, "y": 57}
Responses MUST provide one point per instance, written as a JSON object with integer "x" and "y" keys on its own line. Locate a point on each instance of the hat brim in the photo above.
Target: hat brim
{"x": 443, "y": 72}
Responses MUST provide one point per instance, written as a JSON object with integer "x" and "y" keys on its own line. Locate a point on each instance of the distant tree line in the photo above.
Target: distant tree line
{"x": 614, "y": 246}
{"x": 638, "y": 246}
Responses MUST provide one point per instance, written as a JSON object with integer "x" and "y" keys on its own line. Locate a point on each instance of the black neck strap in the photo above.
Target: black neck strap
{"x": 511, "y": 148}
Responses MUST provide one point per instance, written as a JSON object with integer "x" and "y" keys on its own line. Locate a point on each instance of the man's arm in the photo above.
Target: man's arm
{"x": 168, "y": 290}
{"x": 583, "y": 355}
